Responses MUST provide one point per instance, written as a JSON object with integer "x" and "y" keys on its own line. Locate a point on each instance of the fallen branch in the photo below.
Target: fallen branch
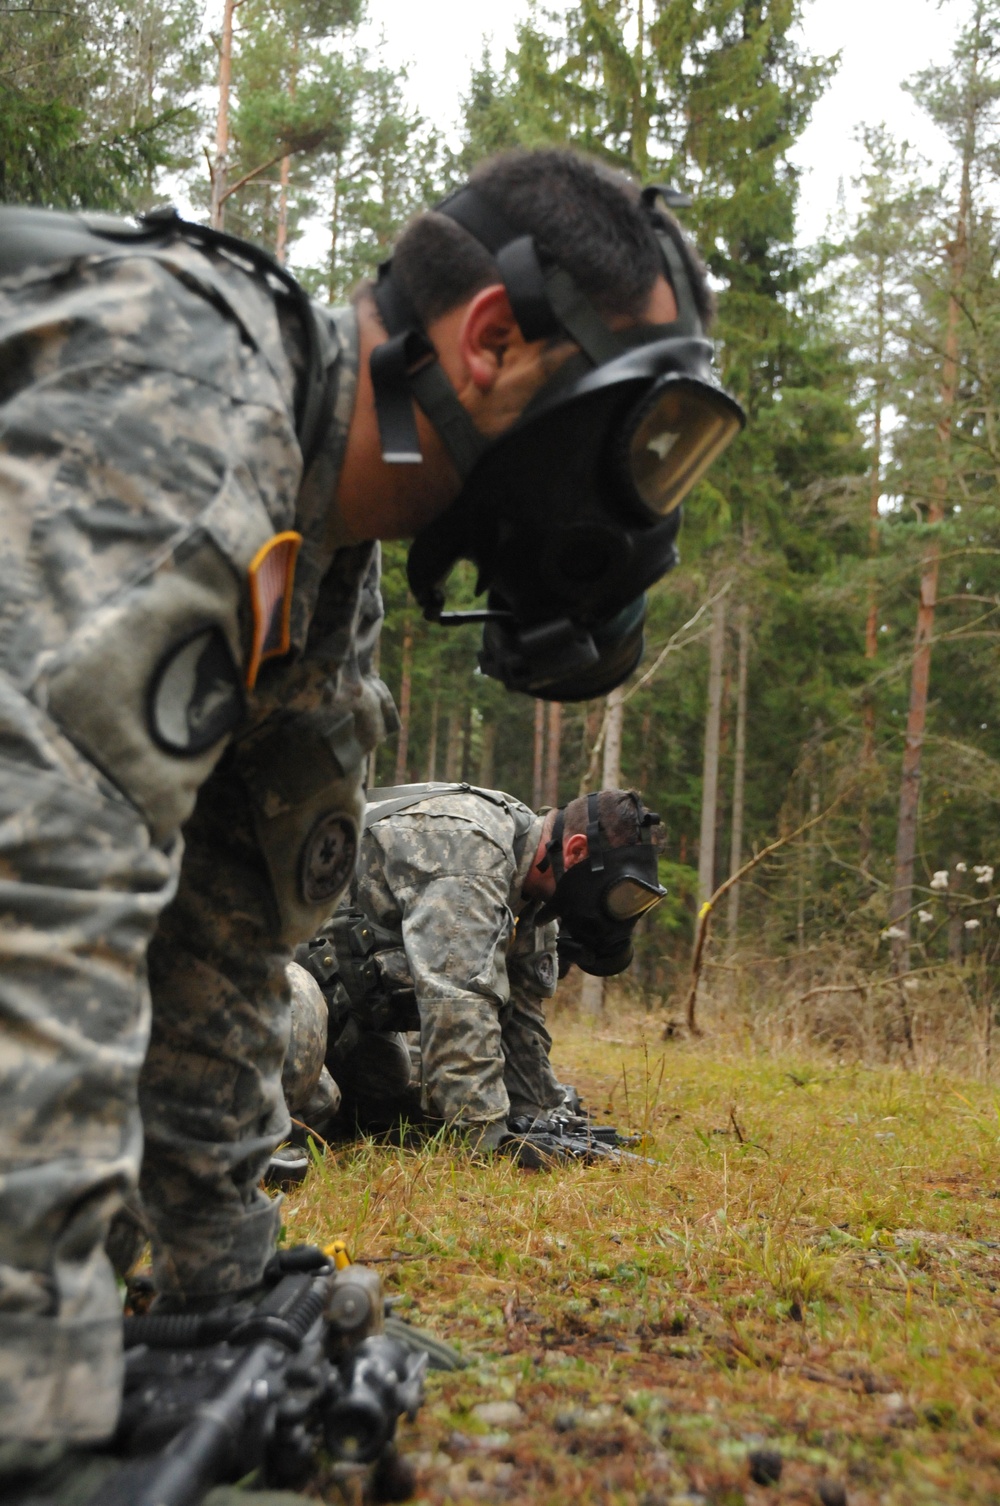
{"x": 705, "y": 914}
{"x": 832, "y": 988}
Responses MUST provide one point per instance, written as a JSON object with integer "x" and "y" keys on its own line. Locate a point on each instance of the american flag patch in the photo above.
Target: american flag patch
{"x": 272, "y": 572}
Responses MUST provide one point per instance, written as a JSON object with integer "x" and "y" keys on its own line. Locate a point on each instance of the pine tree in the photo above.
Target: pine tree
{"x": 97, "y": 99}
{"x": 294, "y": 93}
{"x": 962, "y": 98}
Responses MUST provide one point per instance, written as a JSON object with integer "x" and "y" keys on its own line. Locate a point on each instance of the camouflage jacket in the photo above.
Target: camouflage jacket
{"x": 447, "y": 874}
{"x": 178, "y": 427}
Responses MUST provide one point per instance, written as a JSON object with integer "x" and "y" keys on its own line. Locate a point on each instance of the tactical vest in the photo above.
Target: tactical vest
{"x": 38, "y": 237}
{"x": 360, "y": 966}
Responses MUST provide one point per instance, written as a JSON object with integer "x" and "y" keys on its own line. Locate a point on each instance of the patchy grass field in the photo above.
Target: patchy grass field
{"x": 809, "y": 1270}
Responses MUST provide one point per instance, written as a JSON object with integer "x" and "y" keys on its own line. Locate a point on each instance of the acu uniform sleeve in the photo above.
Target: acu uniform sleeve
{"x": 269, "y": 850}
{"x": 528, "y": 1076}
{"x": 144, "y": 457}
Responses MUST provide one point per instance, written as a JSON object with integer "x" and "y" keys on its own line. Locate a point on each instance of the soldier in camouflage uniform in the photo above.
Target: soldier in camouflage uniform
{"x": 147, "y": 456}
{"x": 448, "y": 875}
{"x": 187, "y": 621}
{"x": 456, "y": 884}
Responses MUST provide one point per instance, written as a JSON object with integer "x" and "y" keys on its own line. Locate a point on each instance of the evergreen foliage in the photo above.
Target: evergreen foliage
{"x": 97, "y": 99}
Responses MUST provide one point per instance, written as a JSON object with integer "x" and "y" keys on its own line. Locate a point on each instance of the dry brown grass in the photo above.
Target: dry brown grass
{"x": 810, "y": 1265}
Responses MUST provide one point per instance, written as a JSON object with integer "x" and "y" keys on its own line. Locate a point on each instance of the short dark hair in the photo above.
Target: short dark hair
{"x": 583, "y": 215}
{"x": 617, "y": 815}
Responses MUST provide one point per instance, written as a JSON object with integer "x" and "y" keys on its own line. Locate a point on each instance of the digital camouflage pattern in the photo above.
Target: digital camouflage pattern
{"x": 147, "y": 451}
{"x": 311, "y": 1094}
{"x": 445, "y": 874}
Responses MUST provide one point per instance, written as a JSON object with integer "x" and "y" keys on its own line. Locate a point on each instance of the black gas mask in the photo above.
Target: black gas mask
{"x": 599, "y": 900}
{"x": 572, "y": 513}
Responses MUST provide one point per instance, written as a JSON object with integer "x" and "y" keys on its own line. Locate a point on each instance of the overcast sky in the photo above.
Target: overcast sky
{"x": 882, "y": 43}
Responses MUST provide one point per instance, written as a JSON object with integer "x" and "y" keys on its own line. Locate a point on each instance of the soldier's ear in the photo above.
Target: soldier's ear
{"x": 575, "y": 849}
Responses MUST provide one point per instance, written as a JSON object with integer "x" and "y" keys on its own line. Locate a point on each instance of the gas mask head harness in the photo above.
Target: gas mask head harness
{"x": 572, "y": 513}
{"x": 599, "y": 899}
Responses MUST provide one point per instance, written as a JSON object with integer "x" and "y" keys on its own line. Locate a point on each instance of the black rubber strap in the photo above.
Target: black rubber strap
{"x": 395, "y": 309}
{"x": 674, "y": 198}
{"x": 524, "y": 280}
{"x": 553, "y": 852}
{"x": 581, "y": 321}
{"x": 405, "y": 369}
{"x": 687, "y": 321}
{"x": 397, "y": 425}
{"x": 439, "y": 400}
{"x": 474, "y": 212}
{"x": 595, "y": 846}
{"x": 543, "y": 302}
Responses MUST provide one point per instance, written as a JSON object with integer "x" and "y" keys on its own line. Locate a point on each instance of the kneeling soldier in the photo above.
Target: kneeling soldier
{"x": 467, "y": 907}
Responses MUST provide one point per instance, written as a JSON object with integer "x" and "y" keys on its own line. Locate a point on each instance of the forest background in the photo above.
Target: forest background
{"x": 827, "y": 648}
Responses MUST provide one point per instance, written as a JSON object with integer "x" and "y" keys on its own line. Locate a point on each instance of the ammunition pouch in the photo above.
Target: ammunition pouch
{"x": 365, "y": 978}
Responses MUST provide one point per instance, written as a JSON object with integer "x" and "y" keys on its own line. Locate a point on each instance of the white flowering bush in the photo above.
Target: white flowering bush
{"x": 961, "y": 867}
{"x": 940, "y": 879}
{"x": 973, "y": 925}
{"x": 984, "y": 873}
{"x": 925, "y": 917}
{"x": 894, "y": 933}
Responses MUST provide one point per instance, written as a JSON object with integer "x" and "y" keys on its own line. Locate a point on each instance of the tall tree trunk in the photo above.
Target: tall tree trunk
{"x": 487, "y": 752}
{"x": 639, "y": 144}
{"x": 220, "y": 166}
{"x": 281, "y": 237}
{"x": 550, "y": 794}
{"x": 331, "y": 277}
{"x": 453, "y": 752}
{"x": 909, "y": 790}
{"x": 710, "y": 770}
{"x": 739, "y": 770}
{"x": 612, "y": 775}
{"x": 592, "y": 989}
{"x": 281, "y": 240}
{"x": 593, "y": 722}
{"x": 467, "y": 742}
{"x": 874, "y": 493}
{"x": 405, "y": 697}
{"x": 646, "y": 756}
{"x": 432, "y": 748}
{"x": 538, "y": 766}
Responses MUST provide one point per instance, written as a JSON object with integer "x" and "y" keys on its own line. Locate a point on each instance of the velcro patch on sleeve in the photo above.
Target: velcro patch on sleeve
{"x": 272, "y": 574}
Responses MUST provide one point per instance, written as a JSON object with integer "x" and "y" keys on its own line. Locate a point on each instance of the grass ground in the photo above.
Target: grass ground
{"x": 809, "y": 1270}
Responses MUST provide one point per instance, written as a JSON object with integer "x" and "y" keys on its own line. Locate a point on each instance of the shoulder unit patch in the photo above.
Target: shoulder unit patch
{"x": 195, "y": 696}
{"x": 327, "y": 860}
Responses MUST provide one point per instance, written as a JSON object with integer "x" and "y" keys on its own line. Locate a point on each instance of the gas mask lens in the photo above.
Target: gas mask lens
{"x": 682, "y": 428}
{"x": 629, "y": 898}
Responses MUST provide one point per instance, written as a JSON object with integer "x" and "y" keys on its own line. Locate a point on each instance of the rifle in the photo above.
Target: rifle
{"x": 256, "y": 1388}
{"x": 537, "y": 1143}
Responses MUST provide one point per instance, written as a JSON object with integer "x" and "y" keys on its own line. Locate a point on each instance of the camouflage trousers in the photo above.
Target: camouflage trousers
{"x": 527, "y": 1047}
{"x": 82, "y": 892}
{"x": 388, "y": 1076}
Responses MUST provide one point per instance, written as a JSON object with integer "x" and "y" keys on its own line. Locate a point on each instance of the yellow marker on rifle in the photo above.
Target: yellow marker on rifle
{"x": 337, "y": 1252}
